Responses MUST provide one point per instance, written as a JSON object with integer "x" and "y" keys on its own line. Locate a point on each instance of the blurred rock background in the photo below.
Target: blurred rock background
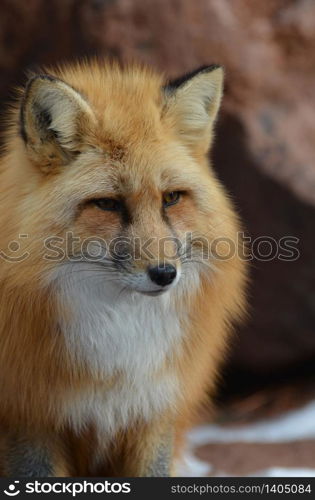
{"x": 265, "y": 147}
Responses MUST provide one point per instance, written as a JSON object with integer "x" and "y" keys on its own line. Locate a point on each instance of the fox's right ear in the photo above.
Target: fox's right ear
{"x": 53, "y": 120}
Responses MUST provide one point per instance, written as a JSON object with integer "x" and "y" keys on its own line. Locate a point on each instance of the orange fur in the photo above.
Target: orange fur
{"x": 129, "y": 140}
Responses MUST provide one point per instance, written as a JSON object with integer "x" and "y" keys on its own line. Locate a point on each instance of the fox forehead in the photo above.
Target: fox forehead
{"x": 130, "y": 145}
{"x": 127, "y": 103}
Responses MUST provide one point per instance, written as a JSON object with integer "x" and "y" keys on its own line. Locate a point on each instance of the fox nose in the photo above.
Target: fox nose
{"x": 163, "y": 274}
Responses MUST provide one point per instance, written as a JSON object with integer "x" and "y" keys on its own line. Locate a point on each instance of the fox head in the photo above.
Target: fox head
{"x": 116, "y": 161}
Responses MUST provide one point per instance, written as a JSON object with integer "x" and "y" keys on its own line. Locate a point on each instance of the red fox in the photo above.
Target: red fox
{"x": 115, "y": 310}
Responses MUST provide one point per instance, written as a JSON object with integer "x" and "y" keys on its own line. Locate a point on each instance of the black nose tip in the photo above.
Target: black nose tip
{"x": 162, "y": 275}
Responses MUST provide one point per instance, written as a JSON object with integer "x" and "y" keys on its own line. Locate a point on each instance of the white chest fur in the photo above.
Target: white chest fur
{"x": 129, "y": 334}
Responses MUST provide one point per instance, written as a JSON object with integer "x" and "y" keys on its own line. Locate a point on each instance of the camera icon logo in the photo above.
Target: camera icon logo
{"x": 13, "y": 491}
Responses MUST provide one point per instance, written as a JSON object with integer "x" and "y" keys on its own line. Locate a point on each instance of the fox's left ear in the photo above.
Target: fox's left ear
{"x": 192, "y": 104}
{"x": 53, "y": 120}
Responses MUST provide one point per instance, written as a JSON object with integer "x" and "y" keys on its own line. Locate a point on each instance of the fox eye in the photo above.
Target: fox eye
{"x": 171, "y": 198}
{"x": 109, "y": 204}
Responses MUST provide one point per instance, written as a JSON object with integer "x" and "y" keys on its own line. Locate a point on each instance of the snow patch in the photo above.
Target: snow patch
{"x": 292, "y": 426}
{"x": 191, "y": 466}
{"x": 284, "y": 472}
